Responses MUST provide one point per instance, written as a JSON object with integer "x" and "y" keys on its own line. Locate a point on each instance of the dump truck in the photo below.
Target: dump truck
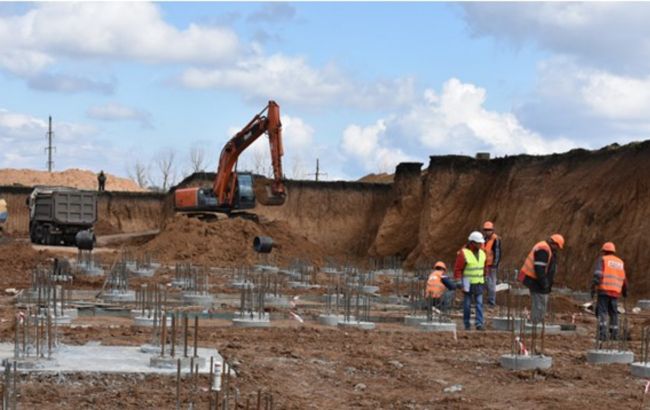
{"x": 57, "y": 214}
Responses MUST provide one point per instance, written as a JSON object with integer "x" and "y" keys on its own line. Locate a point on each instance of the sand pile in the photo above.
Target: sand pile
{"x": 228, "y": 242}
{"x": 17, "y": 260}
{"x": 76, "y": 178}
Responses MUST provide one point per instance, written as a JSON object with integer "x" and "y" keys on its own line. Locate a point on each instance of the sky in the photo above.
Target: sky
{"x": 361, "y": 86}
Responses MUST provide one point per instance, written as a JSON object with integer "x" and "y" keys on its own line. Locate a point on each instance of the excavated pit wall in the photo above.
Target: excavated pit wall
{"x": 588, "y": 196}
{"x": 117, "y": 212}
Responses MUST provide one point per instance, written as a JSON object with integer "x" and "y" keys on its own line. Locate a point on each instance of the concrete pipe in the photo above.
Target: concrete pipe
{"x": 85, "y": 240}
{"x": 263, "y": 244}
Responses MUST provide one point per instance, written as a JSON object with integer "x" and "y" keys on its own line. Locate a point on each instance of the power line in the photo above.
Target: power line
{"x": 317, "y": 174}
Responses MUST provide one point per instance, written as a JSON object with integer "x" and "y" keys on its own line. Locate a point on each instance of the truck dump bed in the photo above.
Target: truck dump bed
{"x": 66, "y": 207}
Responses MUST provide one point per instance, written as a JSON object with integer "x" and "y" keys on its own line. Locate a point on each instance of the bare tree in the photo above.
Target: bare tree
{"x": 165, "y": 164}
{"x": 139, "y": 173}
{"x": 197, "y": 158}
{"x": 297, "y": 168}
{"x": 262, "y": 163}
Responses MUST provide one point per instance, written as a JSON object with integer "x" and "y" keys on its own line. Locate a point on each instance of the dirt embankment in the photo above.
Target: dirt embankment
{"x": 75, "y": 178}
{"x": 228, "y": 242}
{"x": 589, "y": 197}
{"x": 17, "y": 260}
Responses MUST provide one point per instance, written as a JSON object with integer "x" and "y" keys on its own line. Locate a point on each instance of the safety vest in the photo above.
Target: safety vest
{"x": 474, "y": 268}
{"x": 488, "y": 249}
{"x": 613, "y": 275}
{"x": 529, "y": 265}
{"x": 435, "y": 287}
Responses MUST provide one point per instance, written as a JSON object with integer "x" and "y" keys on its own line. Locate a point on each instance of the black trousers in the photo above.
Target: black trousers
{"x": 607, "y": 306}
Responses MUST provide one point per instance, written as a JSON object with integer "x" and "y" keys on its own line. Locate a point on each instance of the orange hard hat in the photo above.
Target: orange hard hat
{"x": 558, "y": 239}
{"x": 440, "y": 264}
{"x": 488, "y": 225}
{"x": 608, "y": 247}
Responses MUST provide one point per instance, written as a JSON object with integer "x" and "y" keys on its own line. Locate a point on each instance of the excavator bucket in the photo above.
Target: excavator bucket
{"x": 265, "y": 195}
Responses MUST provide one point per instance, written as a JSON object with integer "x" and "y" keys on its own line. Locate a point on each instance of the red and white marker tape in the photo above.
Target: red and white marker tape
{"x": 647, "y": 387}
{"x": 298, "y": 318}
{"x": 522, "y": 348}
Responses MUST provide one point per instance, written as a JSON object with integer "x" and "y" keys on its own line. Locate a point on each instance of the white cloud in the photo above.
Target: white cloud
{"x": 69, "y": 83}
{"x": 23, "y": 138}
{"x": 117, "y": 112}
{"x": 294, "y": 80}
{"x": 609, "y": 35}
{"x": 273, "y": 13}
{"x": 368, "y": 145}
{"x": 134, "y": 31}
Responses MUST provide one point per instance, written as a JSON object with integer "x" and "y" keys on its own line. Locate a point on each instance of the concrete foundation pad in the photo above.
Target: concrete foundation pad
{"x": 72, "y": 313}
{"x": 330, "y": 320}
{"x": 247, "y": 322}
{"x": 356, "y": 325}
{"x": 198, "y": 299}
{"x": 504, "y": 324}
{"x": 180, "y": 283}
{"x": 521, "y": 362}
{"x": 414, "y": 320}
{"x": 276, "y": 301}
{"x": 368, "y": 289}
{"x": 95, "y": 358}
{"x": 169, "y": 362}
{"x": 643, "y": 304}
{"x": 90, "y": 270}
{"x": 438, "y": 327}
{"x": 603, "y": 356}
{"x": 152, "y": 349}
{"x": 28, "y": 363}
{"x": 144, "y": 272}
{"x": 301, "y": 285}
{"x": 519, "y": 291}
{"x": 144, "y": 321}
{"x": 548, "y": 330}
{"x": 640, "y": 369}
{"x": 119, "y": 297}
{"x": 58, "y": 320}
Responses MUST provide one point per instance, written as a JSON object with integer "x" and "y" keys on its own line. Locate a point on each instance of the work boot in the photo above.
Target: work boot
{"x": 480, "y": 328}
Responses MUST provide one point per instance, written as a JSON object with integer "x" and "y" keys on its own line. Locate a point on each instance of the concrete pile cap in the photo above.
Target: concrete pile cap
{"x": 524, "y": 362}
{"x": 356, "y": 324}
{"x": 330, "y": 320}
{"x": 606, "y": 356}
{"x": 414, "y": 320}
{"x": 640, "y": 369}
{"x": 438, "y": 327}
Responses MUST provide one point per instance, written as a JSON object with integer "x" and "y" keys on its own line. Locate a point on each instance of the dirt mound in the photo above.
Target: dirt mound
{"x": 378, "y": 178}
{"x": 588, "y": 196}
{"x": 17, "y": 260}
{"x": 228, "y": 242}
{"x": 76, "y": 178}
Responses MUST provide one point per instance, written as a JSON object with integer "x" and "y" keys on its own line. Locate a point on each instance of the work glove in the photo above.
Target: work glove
{"x": 459, "y": 284}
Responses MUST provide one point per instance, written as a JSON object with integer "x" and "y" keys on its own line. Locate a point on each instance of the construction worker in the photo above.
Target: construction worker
{"x": 3, "y": 212}
{"x": 438, "y": 285}
{"x": 538, "y": 272}
{"x": 469, "y": 272}
{"x": 101, "y": 181}
{"x": 610, "y": 283}
{"x": 492, "y": 249}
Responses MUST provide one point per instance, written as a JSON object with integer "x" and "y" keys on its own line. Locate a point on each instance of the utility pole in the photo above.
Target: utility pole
{"x": 317, "y": 174}
{"x": 49, "y": 147}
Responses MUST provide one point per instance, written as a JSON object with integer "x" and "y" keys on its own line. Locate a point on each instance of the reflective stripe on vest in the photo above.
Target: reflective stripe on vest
{"x": 489, "y": 252}
{"x": 613, "y": 275}
{"x": 435, "y": 287}
{"x": 474, "y": 269}
{"x": 529, "y": 265}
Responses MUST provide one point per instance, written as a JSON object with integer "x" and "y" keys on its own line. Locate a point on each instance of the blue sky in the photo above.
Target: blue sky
{"x": 362, "y": 86}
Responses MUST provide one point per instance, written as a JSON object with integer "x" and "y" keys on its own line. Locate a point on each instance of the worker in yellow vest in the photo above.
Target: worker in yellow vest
{"x": 469, "y": 272}
{"x": 610, "y": 283}
{"x": 438, "y": 287}
{"x": 492, "y": 250}
{"x": 538, "y": 274}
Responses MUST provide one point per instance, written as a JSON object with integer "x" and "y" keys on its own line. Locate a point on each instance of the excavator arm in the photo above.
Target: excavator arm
{"x": 225, "y": 183}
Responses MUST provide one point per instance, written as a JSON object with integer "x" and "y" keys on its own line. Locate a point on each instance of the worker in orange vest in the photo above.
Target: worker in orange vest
{"x": 438, "y": 285}
{"x": 538, "y": 273}
{"x": 610, "y": 283}
{"x": 492, "y": 250}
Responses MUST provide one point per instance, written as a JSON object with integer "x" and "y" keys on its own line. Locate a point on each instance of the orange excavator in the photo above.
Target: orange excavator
{"x": 234, "y": 191}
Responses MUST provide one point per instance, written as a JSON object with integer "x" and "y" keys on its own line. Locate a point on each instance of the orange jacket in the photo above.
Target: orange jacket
{"x": 435, "y": 287}
{"x": 529, "y": 264}
{"x": 489, "y": 249}
{"x": 613, "y": 276}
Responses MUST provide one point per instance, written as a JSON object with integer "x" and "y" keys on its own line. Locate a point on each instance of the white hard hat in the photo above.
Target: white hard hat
{"x": 476, "y": 236}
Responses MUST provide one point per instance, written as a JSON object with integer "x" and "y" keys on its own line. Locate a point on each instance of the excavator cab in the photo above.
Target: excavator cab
{"x": 245, "y": 195}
